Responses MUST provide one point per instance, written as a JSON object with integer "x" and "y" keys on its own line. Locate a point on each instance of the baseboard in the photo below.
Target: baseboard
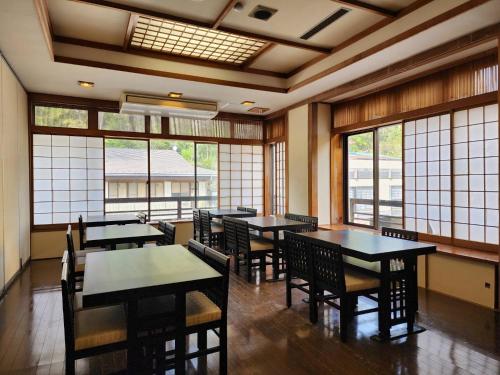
{"x": 14, "y": 278}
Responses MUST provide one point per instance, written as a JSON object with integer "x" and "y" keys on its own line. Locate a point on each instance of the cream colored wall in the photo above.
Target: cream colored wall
{"x": 323, "y": 148}
{"x": 298, "y": 154}
{"x": 15, "y": 173}
{"x": 462, "y": 278}
{"x": 51, "y": 244}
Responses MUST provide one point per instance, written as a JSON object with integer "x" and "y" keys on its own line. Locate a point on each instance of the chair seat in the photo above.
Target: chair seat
{"x": 100, "y": 326}
{"x": 217, "y": 229}
{"x": 199, "y": 308}
{"x": 78, "y": 301}
{"x": 270, "y": 236}
{"x": 357, "y": 281}
{"x": 88, "y": 250}
{"x": 80, "y": 264}
{"x": 261, "y": 245}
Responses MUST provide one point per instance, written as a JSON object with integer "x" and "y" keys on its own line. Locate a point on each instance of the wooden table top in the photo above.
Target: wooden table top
{"x": 272, "y": 223}
{"x": 219, "y": 213}
{"x": 111, "y": 219}
{"x": 118, "y": 276}
{"x": 370, "y": 246}
{"x": 121, "y": 232}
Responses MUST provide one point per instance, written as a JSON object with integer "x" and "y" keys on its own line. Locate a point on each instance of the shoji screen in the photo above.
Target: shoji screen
{"x": 427, "y": 171}
{"x": 475, "y": 161}
{"x": 67, "y": 178}
{"x": 279, "y": 188}
{"x": 241, "y": 176}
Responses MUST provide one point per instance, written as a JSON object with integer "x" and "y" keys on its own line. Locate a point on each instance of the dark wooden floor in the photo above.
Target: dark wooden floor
{"x": 264, "y": 336}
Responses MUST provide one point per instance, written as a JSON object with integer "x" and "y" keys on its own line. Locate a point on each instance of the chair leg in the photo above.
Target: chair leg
{"x": 223, "y": 349}
{"x": 263, "y": 263}
{"x": 288, "y": 290}
{"x": 313, "y": 305}
{"x": 70, "y": 365}
{"x": 344, "y": 317}
{"x": 237, "y": 263}
{"x": 202, "y": 345}
{"x": 249, "y": 269}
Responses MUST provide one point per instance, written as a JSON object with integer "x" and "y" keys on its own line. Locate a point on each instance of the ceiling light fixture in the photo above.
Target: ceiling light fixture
{"x": 86, "y": 84}
{"x": 238, "y": 7}
{"x": 247, "y": 103}
{"x": 175, "y": 95}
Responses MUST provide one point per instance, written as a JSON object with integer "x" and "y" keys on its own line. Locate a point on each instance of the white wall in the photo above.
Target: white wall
{"x": 298, "y": 154}
{"x": 15, "y": 199}
{"x": 323, "y": 178}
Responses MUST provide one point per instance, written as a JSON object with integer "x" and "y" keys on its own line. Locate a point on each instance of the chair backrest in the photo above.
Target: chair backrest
{"x": 81, "y": 232}
{"x": 298, "y": 256}
{"x": 196, "y": 224}
{"x": 230, "y": 240}
{"x": 241, "y": 208}
{"x": 196, "y": 248}
{"x": 218, "y": 294}
{"x": 169, "y": 233}
{"x": 251, "y": 210}
{"x": 313, "y": 220}
{"x": 142, "y": 216}
{"x": 242, "y": 236}
{"x": 68, "y": 309}
{"x": 400, "y": 233}
{"x": 327, "y": 266}
{"x": 71, "y": 250}
{"x": 205, "y": 223}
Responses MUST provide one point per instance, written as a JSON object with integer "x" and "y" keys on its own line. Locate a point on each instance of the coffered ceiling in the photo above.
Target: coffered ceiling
{"x": 208, "y": 50}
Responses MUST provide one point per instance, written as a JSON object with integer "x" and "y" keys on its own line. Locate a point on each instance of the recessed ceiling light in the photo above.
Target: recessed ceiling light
{"x": 175, "y": 94}
{"x": 86, "y": 84}
{"x": 248, "y": 103}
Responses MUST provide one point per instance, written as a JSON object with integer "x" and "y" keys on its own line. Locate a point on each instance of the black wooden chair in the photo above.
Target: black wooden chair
{"x": 313, "y": 220}
{"x": 299, "y": 260}
{"x": 247, "y": 209}
{"x": 210, "y": 234}
{"x": 248, "y": 250}
{"x": 169, "y": 233}
{"x": 84, "y": 249}
{"x": 400, "y": 269}
{"x": 230, "y": 240}
{"x": 344, "y": 284}
{"x": 205, "y": 310}
{"x": 142, "y": 216}
{"x": 90, "y": 332}
{"x": 197, "y": 235}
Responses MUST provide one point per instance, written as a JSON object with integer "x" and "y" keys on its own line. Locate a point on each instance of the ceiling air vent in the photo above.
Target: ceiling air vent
{"x": 262, "y": 13}
{"x": 326, "y": 22}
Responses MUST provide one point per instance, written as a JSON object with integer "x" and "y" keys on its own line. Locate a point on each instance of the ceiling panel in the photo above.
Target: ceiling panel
{"x": 294, "y": 18}
{"x": 283, "y": 59}
{"x": 201, "y": 10}
{"x": 90, "y": 22}
{"x": 393, "y": 5}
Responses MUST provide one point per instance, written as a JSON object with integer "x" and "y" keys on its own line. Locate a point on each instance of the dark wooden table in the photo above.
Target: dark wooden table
{"x": 111, "y": 219}
{"x": 220, "y": 213}
{"x": 373, "y": 247}
{"x": 156, "y": 271}
{"x": 274, "y": 224}
{"x": 115, "y": 234}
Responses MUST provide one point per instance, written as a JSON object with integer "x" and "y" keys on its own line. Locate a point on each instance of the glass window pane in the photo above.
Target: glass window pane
{"x": 206, "y": 175}
{"x": 61, "y": 117}
{"x": 121, "y": 122}
{"x": 360, "y": 178}
{"x": 155, "y": 124}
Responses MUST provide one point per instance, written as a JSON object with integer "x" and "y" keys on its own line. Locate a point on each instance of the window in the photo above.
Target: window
{"x": 375, "y": 194}
{"x": 155, "y": 124}
{"x": 206, "y": 174}
{"x": 200, "y": 128}
{"x": 277, "y": 178}
{"x": 121, "y": 122}
{"x": 61, "y": 117}
{"x": 241, "y": 176}
{"x": 67, "y": 178}
{"x": 248, "y": 130}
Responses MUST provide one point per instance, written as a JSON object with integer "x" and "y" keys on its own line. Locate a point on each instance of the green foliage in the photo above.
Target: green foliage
{"x": 390, "y": 140}
{"x": 61, "y": 117}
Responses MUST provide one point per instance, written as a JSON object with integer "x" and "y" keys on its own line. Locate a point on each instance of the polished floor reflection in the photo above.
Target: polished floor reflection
{"x": 264, "y": 336}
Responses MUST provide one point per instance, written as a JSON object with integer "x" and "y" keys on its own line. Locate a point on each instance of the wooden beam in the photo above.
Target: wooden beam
{"x": 43, "y": 16}
{"x": 368, "y": 7}
{"x": 164, "y": 74}
{"x": 229, "y": 6}
{"x": 130, "y": 29}
{"x": 166, "y": 16}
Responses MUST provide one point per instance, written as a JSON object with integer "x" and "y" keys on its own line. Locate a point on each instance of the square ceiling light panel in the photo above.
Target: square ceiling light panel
{"x": 178, "y": 38}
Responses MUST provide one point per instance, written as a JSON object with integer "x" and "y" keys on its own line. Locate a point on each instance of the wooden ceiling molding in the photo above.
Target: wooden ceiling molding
{"x": 170, "y": 17}
{"x": 471, "y": 4}
{"x": 368, "y": 7}
{"x": 229, "y": 6}
{"x": 42, "y": 11}
{"x": 164, "y": 74}
{"x": 130, "y": 29}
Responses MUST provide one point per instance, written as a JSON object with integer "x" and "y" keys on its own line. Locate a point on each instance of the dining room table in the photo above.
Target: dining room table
{"x": 130, "y": 275}
{"x": 219, "y": 213}
{"x": 398, "y": 296}
{"x": 274, "y": 224}
{"x": 112, "y": 235}
{"x": 111, "y": 219}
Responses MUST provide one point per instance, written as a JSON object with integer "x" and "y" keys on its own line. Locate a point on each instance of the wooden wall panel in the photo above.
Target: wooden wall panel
{"x": 2, "y": 250}
{"x": 464, "y": 81}
{"x": 275, "y": 128}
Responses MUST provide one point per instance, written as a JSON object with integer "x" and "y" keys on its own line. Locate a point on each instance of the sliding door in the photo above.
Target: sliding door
{"x": 206, "y": 174}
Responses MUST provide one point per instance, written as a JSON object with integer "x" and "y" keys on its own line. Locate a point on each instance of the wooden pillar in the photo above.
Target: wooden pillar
{"x": 313, "y": 158}
{"x": 336, "y": 180}
{"x": 497, "y": 286}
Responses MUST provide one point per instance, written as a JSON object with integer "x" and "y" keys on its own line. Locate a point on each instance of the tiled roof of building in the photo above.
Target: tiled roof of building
{"x": 121, "y": 162}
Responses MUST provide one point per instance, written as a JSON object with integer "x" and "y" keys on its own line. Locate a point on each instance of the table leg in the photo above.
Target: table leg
{"x": 180, "y": 335}
{"x": 132, "y": 350}
{"x": 384, "y": 302}
{"x": 412, "y": 291}
{"x": 276, "y": 250}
